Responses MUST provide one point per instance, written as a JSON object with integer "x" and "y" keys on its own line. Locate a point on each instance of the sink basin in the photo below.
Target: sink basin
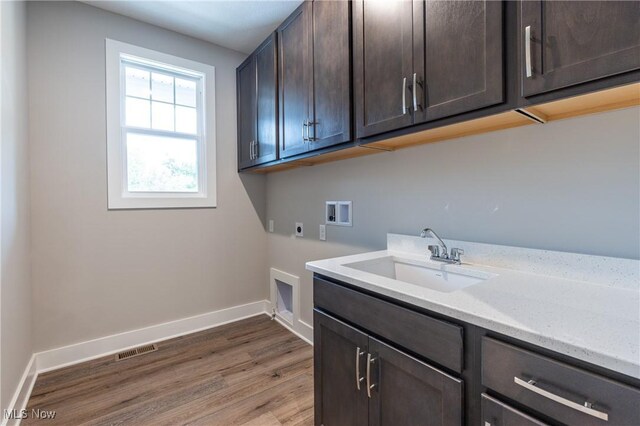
{"x": 440, "y": 277}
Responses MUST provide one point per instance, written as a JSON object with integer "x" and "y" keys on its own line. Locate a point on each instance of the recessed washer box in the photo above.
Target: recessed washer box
{"x": 338, "y": 213}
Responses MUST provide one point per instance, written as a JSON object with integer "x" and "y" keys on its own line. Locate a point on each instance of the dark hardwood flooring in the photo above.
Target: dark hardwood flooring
{"x": 252, "y": 372}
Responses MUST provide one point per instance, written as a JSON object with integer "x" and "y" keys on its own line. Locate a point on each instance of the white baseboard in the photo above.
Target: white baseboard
{"x": 53, "y": 359}
{"x": 22, "y": 394}
{"x": 103, "y": 346}
{"x": 299, "y": 328}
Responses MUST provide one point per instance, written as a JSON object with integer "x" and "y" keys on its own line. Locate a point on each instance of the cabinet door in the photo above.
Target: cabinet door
{"x": 496, "y": 413}
{"x": 294, "y": 39}
{"x": 246, "y": 94}
{"x": 409, "y": 392}
{"x": 266, "y": 148}
{"x": 383, "y": 65}
{"x": 458, "y": 57}
{"x": 572, "y": 42}
{"x": 331, "y": 115}
{"x": 339, "y": 366}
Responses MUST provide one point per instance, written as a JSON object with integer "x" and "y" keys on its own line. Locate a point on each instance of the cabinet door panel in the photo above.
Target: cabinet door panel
{"x": 409, "y": 392}
{"x": 294, "y": 74}
{"x": 577, "y": 41}
{"x": 331, "y": 74}
{"x": 461, "y": 60}
{"x": 246, "y": 94}
{"x": 267, "y": 128}
{"x": 383, "y": 58}
{"x": 338, "y": 401}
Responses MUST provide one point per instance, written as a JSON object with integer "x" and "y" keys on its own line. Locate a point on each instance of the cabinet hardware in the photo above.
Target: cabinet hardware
{"x": 415, "y": 93}
{"x": 304, "y": 126}
{"x": 309, "y": 124}
{"x": 359, "y": 379}
{"x": 404, "y": 95}
{"x": 586, "y": 408}
{"x": 256, "y": 150}
{"x": 527, "y": 51}
{"x": 251, "y": 157}
{"x": 370, "y": 360}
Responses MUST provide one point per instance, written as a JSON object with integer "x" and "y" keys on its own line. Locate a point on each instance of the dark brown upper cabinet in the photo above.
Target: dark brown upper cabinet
{"x": 458, "y": 57}
{"x": 315, "y": 77}
{"x": 564, "y": 43}
{"x": 419, "y": 61}
{"x": 382, "y": 65}
{"x": 257, "y": 106}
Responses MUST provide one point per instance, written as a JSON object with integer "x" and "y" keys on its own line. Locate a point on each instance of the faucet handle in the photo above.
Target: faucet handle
{"x": 435, "y": 250}
{"x": 456, "y": 253}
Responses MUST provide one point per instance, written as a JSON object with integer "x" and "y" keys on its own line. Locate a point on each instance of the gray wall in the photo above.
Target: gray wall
{"x": 15, "y": 288}
{"x": 99, "y": 272}
{"x": 571, "y": 185}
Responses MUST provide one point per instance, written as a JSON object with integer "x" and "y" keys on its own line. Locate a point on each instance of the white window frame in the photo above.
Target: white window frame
{"x": 119, "y": 197}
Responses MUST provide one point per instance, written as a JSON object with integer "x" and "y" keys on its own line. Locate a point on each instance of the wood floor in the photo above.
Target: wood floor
{"x": 252, "y": 372}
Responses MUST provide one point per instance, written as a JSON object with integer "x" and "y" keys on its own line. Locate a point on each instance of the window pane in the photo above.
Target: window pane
{"x": 185, "y": 92}
{"x": 162, "y": 87}
{"x": 162, "y": 118}
{"x": 161, "y": 164}
{"x": 137, "y": 112}
{"x": 186, "y": 120}
{"x": 137, "y": 82}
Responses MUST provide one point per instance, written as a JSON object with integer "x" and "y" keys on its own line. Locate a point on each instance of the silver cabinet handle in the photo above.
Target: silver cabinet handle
{"x": 404, "y": 95}
{"x": 586, "y": 408}
{"x": 527, "y": 51}
{"x": 415, "y": 93}
{"x": 309, "y": 125}
{"x": 358, "y": 378}
{"x": 256, "y": 149}
{"x": 370, "y": 360}
{"x": 304, "y": 126}
{"x": 251, "y": 150}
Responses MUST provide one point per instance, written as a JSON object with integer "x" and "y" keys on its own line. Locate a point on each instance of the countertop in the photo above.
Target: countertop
{"x": 596, "y": 323}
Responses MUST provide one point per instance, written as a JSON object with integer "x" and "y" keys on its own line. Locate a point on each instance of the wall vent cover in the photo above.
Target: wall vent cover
{"x": 136, "y": 352}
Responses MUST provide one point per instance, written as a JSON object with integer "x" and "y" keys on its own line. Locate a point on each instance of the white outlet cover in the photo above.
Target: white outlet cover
{"x": 270, "y": 225}
{"x": 299, "y": 229}
{"x": 323, "y": 233}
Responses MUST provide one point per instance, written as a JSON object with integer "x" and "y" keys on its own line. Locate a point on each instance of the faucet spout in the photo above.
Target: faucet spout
{"x": 427, "y": 231}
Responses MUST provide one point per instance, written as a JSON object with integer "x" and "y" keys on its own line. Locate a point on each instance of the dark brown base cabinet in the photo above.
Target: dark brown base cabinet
{"x": 366, "y": 372}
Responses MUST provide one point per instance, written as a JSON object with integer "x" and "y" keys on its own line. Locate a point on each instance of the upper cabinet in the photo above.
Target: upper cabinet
{"x": 257, "y": 106}
{"x": 571, "y": 42}
{"x": 382, "y": 65}
{"x": 422, "y": 60}
{"x": 341, "y": 79}
{"x": 458, "y": 57}
{"x": 314, "y": 75}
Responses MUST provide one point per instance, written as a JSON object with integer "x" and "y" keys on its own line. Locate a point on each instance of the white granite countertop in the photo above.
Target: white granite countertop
{"x": 595, "y": 322}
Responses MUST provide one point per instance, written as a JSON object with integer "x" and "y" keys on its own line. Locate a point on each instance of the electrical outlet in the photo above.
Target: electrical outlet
{"x": 299, "y": 229}
{"x": 323, "y": 233}
{"x": 270, "y": 225}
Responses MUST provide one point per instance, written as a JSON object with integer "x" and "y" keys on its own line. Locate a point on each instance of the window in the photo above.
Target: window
{"x": 160, "y": 130}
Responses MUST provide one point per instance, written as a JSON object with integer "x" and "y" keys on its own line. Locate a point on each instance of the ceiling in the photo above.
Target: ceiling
{"x": 239, "y": 25}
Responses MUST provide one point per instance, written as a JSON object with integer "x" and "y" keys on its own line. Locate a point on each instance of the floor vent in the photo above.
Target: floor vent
{"x": 136, "y": 352}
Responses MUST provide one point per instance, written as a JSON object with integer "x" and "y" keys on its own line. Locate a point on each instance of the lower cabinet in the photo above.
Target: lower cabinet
{"x": 360, "y": 380}
{"x": 496, "y": 413}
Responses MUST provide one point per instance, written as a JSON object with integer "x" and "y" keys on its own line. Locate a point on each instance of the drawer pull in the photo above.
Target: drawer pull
{"x": 586, "y": 408}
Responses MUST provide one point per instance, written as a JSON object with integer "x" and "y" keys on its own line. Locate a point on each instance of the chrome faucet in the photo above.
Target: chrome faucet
{"x": 443, "y": 256}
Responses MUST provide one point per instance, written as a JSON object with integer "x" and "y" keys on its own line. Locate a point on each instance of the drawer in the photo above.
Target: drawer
{"x": 496, "y": 413}
{"x": 431, "y": 338}
{"x": 562, "y": 392}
